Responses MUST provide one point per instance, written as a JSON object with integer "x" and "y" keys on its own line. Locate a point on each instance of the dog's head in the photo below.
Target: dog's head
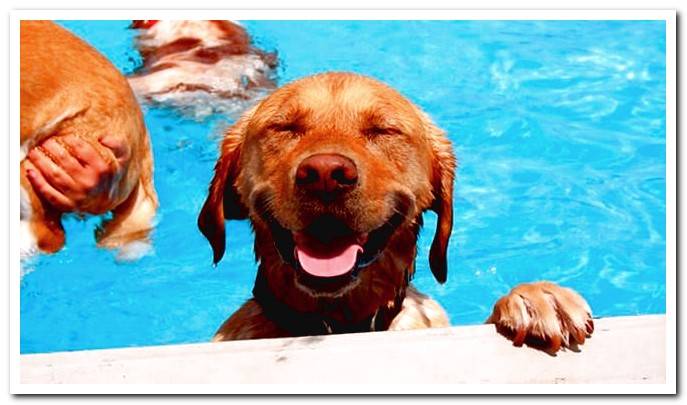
{"x": 330, "y": 168}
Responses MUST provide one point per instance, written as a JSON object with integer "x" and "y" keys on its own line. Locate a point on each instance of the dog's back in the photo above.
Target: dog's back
{"x": 201, "y": 67}
{"x": 67, "y": 87}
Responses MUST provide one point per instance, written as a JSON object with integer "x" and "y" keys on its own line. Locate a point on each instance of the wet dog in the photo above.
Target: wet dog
{"x": 200, "y": 67}
{"x": 69, "y": 91}
{"x": 334, "y": 172}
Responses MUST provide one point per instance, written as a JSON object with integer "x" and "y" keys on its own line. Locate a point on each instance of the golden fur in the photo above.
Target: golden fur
{"x": 69, "y": 89}
{"x": 400, "y": 155}
{"x": 543, "y": 314}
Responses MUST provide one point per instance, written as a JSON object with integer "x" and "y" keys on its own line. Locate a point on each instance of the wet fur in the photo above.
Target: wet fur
{"x": 396, "y": 148}
{"x": 256, "y": 153}
{"x": 543, "y": 315}
{"x": 68, "y": 88}
{"x": 199, "y": 66}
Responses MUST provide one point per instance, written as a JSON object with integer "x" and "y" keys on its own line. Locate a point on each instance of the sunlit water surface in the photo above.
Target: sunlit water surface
{"x": 559, "y": 128}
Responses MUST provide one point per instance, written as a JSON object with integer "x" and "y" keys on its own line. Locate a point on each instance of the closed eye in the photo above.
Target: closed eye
{"x": 382, "y": 130}
{"x": 292, "y": 127}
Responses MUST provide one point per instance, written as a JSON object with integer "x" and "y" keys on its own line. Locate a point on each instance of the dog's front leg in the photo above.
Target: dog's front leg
{"x": 249, "y": 322}
{"x": 543, "y": 315}
{"x": 418, "y": 311}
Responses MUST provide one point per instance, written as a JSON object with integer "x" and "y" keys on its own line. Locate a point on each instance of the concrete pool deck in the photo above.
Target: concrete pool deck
{"x": 628, "y": 350}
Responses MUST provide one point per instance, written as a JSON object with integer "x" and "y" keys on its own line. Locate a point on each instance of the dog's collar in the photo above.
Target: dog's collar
{"x": 309, "y": 324}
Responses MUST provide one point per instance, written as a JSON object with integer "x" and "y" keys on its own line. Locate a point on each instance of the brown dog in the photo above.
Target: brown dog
{"x": 334, "y": 172}
{"x": 200, "y": 66}
{"x": 69, "y": 91}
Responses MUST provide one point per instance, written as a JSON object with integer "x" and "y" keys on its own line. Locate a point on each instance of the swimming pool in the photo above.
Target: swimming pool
{"x": 560, "y": 132}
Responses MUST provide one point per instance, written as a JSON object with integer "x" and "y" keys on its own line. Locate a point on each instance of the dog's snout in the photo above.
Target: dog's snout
{"x": 326, "y": 172}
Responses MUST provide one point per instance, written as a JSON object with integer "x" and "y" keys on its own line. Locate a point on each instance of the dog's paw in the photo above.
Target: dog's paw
{"x": 543, "y": 315}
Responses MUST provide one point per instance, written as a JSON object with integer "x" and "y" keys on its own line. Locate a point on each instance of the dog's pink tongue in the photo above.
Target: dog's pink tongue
{"x": 329, "y": 264}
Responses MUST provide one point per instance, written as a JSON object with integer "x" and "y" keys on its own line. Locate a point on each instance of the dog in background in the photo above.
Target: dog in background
{"x": 334, "y": 171}
{"x": 70, "y": 97}
{"x": 200, "y": 67}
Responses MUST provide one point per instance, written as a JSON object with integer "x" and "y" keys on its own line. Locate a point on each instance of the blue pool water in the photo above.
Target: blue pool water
{"x": 559, "y": 128}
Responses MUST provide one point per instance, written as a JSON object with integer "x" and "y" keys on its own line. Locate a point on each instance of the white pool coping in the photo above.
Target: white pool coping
{"x": 628, "y": 350}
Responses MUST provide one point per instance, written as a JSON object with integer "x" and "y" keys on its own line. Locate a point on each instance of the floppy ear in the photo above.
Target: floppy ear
{"x": 443, "y": 168}
{"x": 223, "y": 200}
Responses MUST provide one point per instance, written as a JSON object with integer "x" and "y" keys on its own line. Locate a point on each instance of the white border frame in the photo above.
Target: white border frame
{"x": 348, "y": 14}
{"x": 669, "y": 16}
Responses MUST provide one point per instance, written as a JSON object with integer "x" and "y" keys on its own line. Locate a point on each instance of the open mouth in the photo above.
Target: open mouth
{"x": 328, "y": 250}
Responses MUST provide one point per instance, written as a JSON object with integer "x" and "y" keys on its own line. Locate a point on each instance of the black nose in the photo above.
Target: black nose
{"x": 326, "y": 173}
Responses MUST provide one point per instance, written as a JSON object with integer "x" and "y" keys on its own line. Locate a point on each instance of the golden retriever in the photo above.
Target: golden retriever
{"x": 334, "y": 172}
{"x": 69, "y": 90}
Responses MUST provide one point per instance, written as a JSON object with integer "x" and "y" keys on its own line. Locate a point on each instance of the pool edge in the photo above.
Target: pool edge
{"x": 627, "y": 350}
